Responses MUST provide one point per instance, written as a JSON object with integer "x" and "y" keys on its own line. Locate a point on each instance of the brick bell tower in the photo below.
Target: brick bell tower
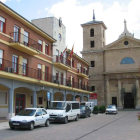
{"x": 93, "y": 44}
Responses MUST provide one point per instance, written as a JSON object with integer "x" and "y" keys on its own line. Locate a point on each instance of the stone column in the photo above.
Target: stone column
{"x": 108, "y": 93}
{"x": 34, "y": 99}
{"x": 88, "y": 97}
{"x": 74, "y": 97}
{"x": 52, "y": 95}
{"x": 138, "y": 94}
{"x": 64, "y": 97}
{"x": 10, "y": 103}
{"x": 81, "y": 98}
{"x": 120, "y": 106}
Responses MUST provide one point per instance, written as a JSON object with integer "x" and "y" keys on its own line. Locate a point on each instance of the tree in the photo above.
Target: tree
{"x": 134, "y": 93}
{"x": 122, "y": 91}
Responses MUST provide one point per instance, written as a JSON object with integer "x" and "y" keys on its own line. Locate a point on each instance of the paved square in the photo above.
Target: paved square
{"x": 123, "y": 126}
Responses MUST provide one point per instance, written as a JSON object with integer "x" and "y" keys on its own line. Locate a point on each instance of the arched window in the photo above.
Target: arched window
{"x": 127, "y": 60}
{"x": 91, "y": 32}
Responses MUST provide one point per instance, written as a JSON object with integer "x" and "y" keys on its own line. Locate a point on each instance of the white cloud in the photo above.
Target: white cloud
{"x": 74, "y": 14}
{"x": 46, "y": 8}
{"x": 3, "y": 1}
{"x": 18, "y": 0}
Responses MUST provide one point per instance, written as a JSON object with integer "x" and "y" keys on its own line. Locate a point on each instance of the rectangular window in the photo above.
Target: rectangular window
{"x": 57, "y": 55}
{"x": 15, "y": 63}
{"x": 47, "y": 49}
{"x": 16, "y": 33}
{"x": 40, "y": 45}
{"x": 24, "y": 66}
{"x": 72, "y": 81}
{"x": 92, "y": 44}
{"x": 75, "y": 105}
{"x": 3, "y": 97}
{"x": 72, "y": 63}
{"x": 39, "y": 75}
{"x": 57, "y": 75}
{"x": 47, "y": 73}
{"x": 40, "y": 100}
{"x": 92, "y": 64}
{"x": 26, "y": 38}
{"x": 92, "y": 88}
{"x": 2, "y": 24}
{"x": 61, "y": 78}
{"x": 1, "y": 58}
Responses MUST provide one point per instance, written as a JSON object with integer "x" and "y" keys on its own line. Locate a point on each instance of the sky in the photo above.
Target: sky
{"x": 76, "y": 12}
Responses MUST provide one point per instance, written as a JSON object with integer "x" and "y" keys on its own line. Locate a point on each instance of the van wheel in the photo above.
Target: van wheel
{"x": 89, "y": 114}
{"x": 31, "y": 126}
{"x": 66, "y": 120}
{"x": 77, "y": 118}
{"x": 47, "y": 123}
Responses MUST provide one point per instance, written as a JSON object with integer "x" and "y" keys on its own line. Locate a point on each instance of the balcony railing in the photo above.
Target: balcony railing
{"x": 26, "y": 71}
{"x": 82, "y": 70}
{"x": 21, "y": 38}
{"x": 61, "y": 59}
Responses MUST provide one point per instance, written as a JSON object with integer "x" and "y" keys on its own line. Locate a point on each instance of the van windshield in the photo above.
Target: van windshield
{"x": 57, "y": 105}
{"x": 83, "y": 103}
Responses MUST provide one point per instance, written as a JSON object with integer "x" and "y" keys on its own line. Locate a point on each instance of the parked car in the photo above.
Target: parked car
{"x": 111, "y": 109}
{"x": 30, "y": 117}
{"x": 62, "y": 111}
{"x": 89, "y": 104}
{"x": 84, "y": 111}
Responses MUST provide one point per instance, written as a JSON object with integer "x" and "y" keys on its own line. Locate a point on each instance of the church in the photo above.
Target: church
{"x": 114, "y": 68}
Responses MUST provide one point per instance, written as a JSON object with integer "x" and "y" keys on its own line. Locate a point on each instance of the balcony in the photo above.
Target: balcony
{"x": 82, "y": 72}
{"x": 61, "y": 62}
{"x": 25, "y": 44}
{"x": 16, "y": 71}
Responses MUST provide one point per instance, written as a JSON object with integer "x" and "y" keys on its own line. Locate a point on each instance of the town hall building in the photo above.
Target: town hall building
{"x": 114, "y": 68}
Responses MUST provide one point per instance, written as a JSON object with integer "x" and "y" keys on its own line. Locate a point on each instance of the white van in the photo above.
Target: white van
{"x": 89, "y": 104}
{"x": 64, "y": 110}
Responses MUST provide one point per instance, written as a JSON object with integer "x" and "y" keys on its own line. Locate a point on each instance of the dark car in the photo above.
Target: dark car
{"x": 84, "y": 111}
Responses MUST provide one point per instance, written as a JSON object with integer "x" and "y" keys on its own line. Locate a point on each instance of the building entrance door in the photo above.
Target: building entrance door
{"x": 114, "y": 101}
{"x": 128, "y": 100}
{"x": 20, "y": 103}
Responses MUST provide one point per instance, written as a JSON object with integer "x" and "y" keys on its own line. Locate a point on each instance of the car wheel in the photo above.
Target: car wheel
{"x": 66, "y": 120}
{"x": 31, "y": 126}
{"x": 77, "y": 118}
{"x": 12, "y": 127}
{"x": 106, "y": 113}
{"x": 47, "y": 123}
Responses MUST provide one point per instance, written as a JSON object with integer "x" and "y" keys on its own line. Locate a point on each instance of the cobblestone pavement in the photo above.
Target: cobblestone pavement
{"x": 123, "y": 126}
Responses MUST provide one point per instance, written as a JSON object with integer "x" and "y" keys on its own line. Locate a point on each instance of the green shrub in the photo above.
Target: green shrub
{"x": 96, "y": 108}
{"x": 102, "y": 109}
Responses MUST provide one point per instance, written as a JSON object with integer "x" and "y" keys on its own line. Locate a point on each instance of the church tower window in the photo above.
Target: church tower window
{"x": 91, "y": 44}
{"x": 91, "y": 32}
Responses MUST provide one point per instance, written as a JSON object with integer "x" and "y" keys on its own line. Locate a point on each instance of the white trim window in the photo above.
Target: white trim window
{"x": 24, "y": 66}
{"x": 3, "y": 97}
{"x": 1, "y": 57}
{"x": 40, "y": 45}
{"x": 2, "y": 24}
{"x": 26, "y": 38}
{"x": 39, "y": 75}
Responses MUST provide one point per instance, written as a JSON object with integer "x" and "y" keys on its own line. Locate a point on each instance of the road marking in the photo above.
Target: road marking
{"x": 102, "y": 126}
